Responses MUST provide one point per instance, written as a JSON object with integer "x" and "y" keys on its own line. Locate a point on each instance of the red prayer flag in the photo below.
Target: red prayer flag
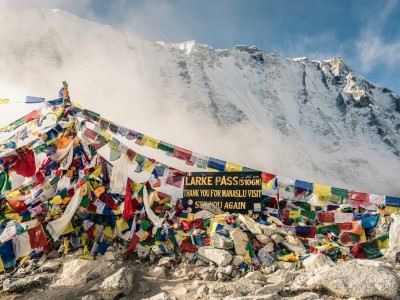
{"x": 128, "y": 208}
{"x": 37, "y": 237}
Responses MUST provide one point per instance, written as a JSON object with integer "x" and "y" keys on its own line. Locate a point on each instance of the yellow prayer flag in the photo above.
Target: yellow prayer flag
{"x": 149, "y": 141}
{"x": 231, "y": 167}
{"x": 122, "y": 225}
{"x": 136, "y": 186}
{"x": 96, "y": 172}
{"x": 4, "y": 101}
{"x": 383, "y": 244}
{"x": 108, "y": 232}
{"x": 77, "y": 105}
{"x": 14, "y": 216}
{"x": 13, "y": 194}
{"x": 247, "y": 259}
{"x": 106, "y": 135}
{"x": 113, "y": 145}
{"x": 69, "y": 229}
{"x": 322, "y": 190}
{"x": 2, "y": 269}
{"x": 268, "y": 185}
{"x": 148, "y": 166}
{"x": 392, "y": 209}
{"x": 294, "y": 214}
{"x": 145, "y": 234}
{"x": 66, "y": 246}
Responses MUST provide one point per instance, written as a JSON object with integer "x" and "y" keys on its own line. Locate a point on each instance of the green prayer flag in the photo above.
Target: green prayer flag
{"x": 340, "y": 192}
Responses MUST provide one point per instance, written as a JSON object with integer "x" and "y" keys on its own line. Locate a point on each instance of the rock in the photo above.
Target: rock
{"x": 220, "y": 288}
{"x": 225, "y": 270}
{"x": 89, "y": 297}
{"x": 221, "y": 242}
{"x": 296, "y": 248}
{"x": 253, "y": 297}
{"x": 181, "y": 271}
{"x": 219, "y": 256}
{"x": 250, "y": 224}
{"x": 271, "y": 288}
{"x": 237, "y": 260}
{"x": 202, "y": 291}
{"x": 157, "y": 272}
{"x": 203, "y": 214}
{"x": 315, "y": 261}
{"x": 164, "y": 262}
{"x": 374, "y": 263}
{"x": 264, "y": 257}
{"x": 277, "y": 238}
{"x": 240, "y": 240}
{"x": 246, "y": 286}
{"x": 201, "y": 270}
{"x": 119, "y": 281}
{"x": 262, "y": 238}
{"x": 268, "y": 230}
{"x": 256, "y": 275}
{"x": 306, "y": 296}
{"x": 209, "y": 275}
{"x": 19, "y": 285}
{"x": 53, "y": 254}
{"x": 160, "y": 296}
{"x": 179, "y": 291}
{"x": 353, "y": 279}
{"x": 51, "y": 266}
{"x": 109, "y": 256}
{"x": 286, "y": 265}
{"x": 142, "y": 251}
{"x": 200, "y": 263}
{"x": 76, "y": 271}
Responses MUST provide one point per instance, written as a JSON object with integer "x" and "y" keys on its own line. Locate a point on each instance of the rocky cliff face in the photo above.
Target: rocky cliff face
{"x": 311, "y": 120}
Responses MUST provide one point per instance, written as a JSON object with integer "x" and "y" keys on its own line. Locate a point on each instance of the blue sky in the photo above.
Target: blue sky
{"x": 365, "y": 33}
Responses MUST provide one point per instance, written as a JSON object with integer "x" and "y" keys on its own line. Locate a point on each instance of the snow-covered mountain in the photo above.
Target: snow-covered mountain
{"x": 311, "y": 120}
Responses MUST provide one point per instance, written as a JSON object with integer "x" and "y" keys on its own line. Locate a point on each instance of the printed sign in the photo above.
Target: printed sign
{"x": 231, "y": 191}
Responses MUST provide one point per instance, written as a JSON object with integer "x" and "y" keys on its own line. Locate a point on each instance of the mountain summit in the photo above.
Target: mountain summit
{"x": 312, "y": 120}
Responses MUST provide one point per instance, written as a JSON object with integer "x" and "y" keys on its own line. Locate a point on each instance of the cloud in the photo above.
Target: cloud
{"x": 371, "y": 45}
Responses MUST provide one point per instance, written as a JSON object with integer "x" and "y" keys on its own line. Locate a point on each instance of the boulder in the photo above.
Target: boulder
{"x": 315, "y": 261}
{"x": 262, "y": 238}
{"x": 221, "y": 242}
{"x": 237, "y": 260}
{"x": 353, "y": 279}
{"x": 250, "y": 224}
{"x": 306, "y": 296}
{"x": 258, "y": 297}
{"x": 157, "y": 272}
{"x": 160, "y": 296}
{"x": 120, "y": 281}
{"x": 219, "y": 256}
{"x": 246, "y": 286}
{"x": 76, "y": 271}
{"x": 110, "y": 256}
{"x": 240, "y": 240}
{"x": 23, "y": 285}
{"x": 256, "y": 275}
{"x": 142, "y": 251}
{"x": 202, "y": 292}
{"x": 295, "y": 248}
{"x": 50, "y": 266}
